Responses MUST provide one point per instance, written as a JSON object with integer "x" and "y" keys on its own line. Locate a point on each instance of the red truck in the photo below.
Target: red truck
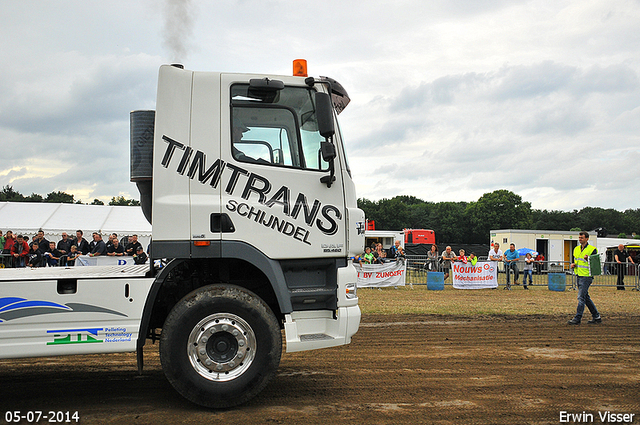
{"x": 425, "y": 236}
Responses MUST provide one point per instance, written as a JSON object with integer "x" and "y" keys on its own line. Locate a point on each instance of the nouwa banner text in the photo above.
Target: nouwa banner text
{"x": 481, "y": 276}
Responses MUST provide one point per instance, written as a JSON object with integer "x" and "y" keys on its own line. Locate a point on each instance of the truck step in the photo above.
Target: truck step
{"x": 315, "y": 337}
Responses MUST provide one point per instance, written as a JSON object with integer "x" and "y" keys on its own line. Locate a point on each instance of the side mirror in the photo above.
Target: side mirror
{"x": 328, "y": 151}
{"x": 328, "y": 154}
{"x": 324, "y": 112}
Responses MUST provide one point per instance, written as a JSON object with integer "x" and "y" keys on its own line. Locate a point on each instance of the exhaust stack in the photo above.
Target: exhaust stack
{"x": 142, "y": 125}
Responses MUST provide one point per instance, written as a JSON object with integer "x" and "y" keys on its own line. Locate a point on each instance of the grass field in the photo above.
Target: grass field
{"x": 536, "y": 301}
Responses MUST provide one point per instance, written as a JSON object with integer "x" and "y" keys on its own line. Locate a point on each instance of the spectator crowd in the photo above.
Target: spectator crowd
{"x": 376, "y": 254}
{"x": 19, "y": 252}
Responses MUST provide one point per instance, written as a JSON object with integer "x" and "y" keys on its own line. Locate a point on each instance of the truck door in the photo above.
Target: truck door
{"x": 271, "y": 188}
{"x": 205, "y": 164}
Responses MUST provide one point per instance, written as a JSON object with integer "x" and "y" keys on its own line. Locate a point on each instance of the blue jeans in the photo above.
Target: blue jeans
{"x": 530, "y": 274}
{"x": 20, "y": 262}
{"x": 584, "y": 282}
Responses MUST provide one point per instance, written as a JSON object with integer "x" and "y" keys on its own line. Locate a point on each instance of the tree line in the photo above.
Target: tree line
{"x": 9, "y": 194}
{"x": 471, "y": 222}
{"x": 453, "y": 222}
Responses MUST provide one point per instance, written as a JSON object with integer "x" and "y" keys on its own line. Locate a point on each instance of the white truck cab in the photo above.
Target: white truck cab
{"x": 246, "y": 183}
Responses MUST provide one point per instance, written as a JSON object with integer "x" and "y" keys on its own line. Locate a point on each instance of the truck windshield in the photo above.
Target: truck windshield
{"x": 276, "y": 127}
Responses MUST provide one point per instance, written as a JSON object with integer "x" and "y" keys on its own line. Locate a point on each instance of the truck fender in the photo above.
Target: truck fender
{"x": 232, "y": 250}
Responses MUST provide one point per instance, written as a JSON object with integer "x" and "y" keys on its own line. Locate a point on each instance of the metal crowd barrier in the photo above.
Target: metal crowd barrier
{"x": 418, "y": 266}
{"x": 611, "y": 273}
{"x": 6, "y": 261}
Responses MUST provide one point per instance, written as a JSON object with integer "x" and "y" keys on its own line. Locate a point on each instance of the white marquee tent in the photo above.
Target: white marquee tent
{"x": 28, "y": 217}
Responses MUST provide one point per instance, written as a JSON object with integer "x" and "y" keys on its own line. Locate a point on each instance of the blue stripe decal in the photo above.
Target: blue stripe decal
{"x": 16, "y": 308}
{"x": 25, "y": 304}
{"x": 9, "y": 300}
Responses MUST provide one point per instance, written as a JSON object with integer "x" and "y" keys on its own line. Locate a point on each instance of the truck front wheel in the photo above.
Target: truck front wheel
{"x": 220, "y": 346}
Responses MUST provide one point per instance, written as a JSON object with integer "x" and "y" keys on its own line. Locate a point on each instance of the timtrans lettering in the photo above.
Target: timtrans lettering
{"x": 259, "y": 216}
{"x": 193, "y": 163}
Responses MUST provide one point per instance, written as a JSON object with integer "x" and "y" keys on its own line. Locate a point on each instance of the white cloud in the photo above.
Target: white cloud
{"x": 516, "y": 127}
{"x": 450, "y": 99}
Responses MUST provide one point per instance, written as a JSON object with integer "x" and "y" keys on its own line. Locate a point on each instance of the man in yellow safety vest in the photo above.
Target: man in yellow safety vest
{"x": 580, "y": 265}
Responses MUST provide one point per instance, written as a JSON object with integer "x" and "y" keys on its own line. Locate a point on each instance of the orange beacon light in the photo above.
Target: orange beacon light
{"x": 300, "y": 68}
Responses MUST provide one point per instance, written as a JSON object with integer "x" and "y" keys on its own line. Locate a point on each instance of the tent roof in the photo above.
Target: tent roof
{"x": 28, "y": 217}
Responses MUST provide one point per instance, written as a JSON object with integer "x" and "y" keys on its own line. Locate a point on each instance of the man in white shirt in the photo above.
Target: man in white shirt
{"x": 447, "y": 257}
{"x": 495, "y": 254}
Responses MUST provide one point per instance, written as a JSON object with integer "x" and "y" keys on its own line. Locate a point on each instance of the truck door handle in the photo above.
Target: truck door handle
{"x": 221, "y": 222}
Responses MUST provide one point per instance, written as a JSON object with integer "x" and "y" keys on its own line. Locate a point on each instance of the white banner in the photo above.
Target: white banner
{"x": 381, "y": 275}
{"x": 104, "y": 260}
{"x": 481, "y": 276}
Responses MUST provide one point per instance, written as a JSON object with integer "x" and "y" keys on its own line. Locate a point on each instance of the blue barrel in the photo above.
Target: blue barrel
{"x": 435, "y": 281}
{"x": 557, "y": 282}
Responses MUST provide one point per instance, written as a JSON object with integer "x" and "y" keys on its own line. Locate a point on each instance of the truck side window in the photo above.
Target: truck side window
{"x": 276, "y": 130}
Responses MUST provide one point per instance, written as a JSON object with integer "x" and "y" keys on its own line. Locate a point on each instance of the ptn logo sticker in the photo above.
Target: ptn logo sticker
{"x": 75, "y": 336}
{"x": 89, "y": 335}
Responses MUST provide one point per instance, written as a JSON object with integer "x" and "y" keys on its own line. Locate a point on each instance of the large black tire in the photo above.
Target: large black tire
{"x": 220, "y": 346}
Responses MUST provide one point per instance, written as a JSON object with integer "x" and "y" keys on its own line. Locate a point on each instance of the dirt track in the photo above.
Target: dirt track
{"x": 398, "y": 369}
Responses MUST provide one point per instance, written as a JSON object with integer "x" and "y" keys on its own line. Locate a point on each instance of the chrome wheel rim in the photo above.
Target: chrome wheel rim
{"x": 221, "y": 347}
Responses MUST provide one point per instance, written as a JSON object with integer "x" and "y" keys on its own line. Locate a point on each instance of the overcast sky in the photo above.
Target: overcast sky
{"x": 451, "y": 99}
